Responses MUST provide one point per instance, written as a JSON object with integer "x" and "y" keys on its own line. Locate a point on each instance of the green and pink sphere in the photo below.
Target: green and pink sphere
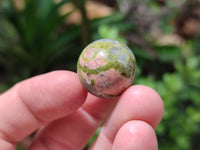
{"x": 106, "y": 68}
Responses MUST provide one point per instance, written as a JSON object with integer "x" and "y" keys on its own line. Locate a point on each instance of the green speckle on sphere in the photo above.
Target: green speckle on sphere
{"x": 92, "y": 83}
{"x": 103, "y": 65}
{"x": 100, "y": 45}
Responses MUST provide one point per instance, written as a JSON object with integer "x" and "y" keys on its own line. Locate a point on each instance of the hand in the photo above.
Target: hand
{"x": 66, "y": 116}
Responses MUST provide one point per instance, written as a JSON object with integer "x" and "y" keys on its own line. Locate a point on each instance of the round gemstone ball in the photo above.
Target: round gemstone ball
{"x": 106, "y": 68}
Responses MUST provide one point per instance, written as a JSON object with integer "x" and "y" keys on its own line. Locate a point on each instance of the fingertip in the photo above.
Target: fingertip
{"x": 37, "y": 101}
{"x": 136, "y": 103}
{"x": 5, "y": 145}
{"x": 148, "y": 102}
{"x": 147, "y": 91}
{"x": 135, "y": 135}
{"x": 52, "y": 95}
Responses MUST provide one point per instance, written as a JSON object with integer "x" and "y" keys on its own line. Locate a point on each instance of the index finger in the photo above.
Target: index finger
{"x": 37, "y": 101}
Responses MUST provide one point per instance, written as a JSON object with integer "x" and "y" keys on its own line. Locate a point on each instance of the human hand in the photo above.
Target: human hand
{"x": 66, "y": 116}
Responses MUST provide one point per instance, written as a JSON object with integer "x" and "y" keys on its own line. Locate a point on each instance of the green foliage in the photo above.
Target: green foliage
{"x": 180, "y": 93}
{"x": 19, "y": 148}
{"x": 111, "y": 27}
{"x": 108, "y": 32}
{"x": 36, "y": 39}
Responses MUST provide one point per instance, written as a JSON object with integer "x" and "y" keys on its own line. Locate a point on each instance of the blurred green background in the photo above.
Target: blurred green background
{"x": 38, "y": 36}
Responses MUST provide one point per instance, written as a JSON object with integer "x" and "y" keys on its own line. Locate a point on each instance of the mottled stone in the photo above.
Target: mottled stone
{"x": 106, "y": 68}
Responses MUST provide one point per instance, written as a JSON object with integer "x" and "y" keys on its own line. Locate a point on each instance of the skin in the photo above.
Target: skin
{"x": 66, "y": 116}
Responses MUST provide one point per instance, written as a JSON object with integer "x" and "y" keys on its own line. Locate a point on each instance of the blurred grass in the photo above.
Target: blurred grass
{"x": 36, "y": 39}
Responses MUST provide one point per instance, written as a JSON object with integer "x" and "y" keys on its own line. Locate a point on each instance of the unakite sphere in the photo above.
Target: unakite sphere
{"x": 106, "y": 68}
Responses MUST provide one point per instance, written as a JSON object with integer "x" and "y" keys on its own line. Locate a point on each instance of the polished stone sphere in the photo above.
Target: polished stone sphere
{"x": 106, "y": 68}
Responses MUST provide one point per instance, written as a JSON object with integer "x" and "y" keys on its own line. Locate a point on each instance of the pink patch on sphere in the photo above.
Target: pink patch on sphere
{"x": 88, "y": 54}
{"x": 97, "y": 62}
{"x": 109, "y": 82}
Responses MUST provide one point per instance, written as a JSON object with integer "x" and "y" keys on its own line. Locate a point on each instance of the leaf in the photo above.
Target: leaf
{"x": 173, "y": 82}
{"x": 114, "y": 18}
{"x": 168, "y": 53}
{"x": 68, "y": 36}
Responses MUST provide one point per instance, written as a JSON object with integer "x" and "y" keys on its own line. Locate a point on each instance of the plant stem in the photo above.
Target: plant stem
{"x": 85, "y": 26}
